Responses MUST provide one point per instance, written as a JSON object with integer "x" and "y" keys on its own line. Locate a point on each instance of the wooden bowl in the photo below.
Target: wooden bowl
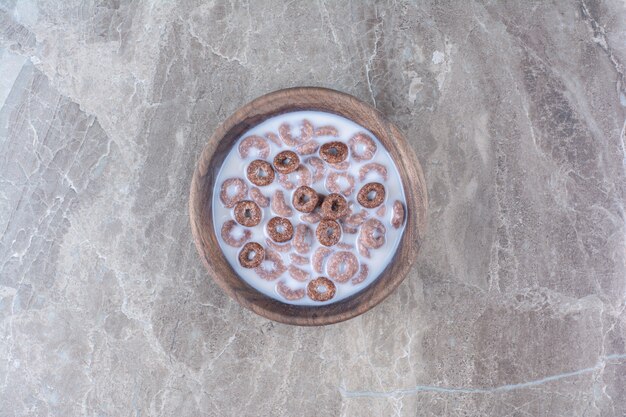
{"x": 257, "y": 111}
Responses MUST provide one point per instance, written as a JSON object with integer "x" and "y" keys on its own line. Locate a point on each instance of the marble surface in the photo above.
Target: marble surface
{"x": 516, "y": 305}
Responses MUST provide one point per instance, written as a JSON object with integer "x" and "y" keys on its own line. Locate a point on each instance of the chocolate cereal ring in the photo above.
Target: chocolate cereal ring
{"x": 319, "y": 168}
{"x": 298, "y": 259}
{"x": 342, "y": 266}
{"x": 274, "y": 139}
{"x": 298, "y": 274}
{"x": 286, "y": 162}
{"x": 284, "y": 132}
{"x": 321, "y": 289}
{"x": 381, "y": 211}
{"x": 305, "y": 199}
{"x": 247, "y": 213}
{"x": 306, "y": 131}
{"x": 272, "y": 266}
{"x": 363, "y": 251}
{"x": 279, "y": 229}
{"x": 307, "y": 148}
{"x": 233, "y": 191}
{"x": 284, "y": 248}
{"x": 313, "y": 217}
{"x": 341, "y": 166}
{"x": 334, "y": 152}
{"x": 357, "y": 219}
{"x": 362, "y": 147}
{"x": 328, "y": 232}
{"x": 344, "y": 246}
{"x": 380, "y": 169}
{"x": 326, "y": 131}
{"x": 260, "y": 172}
{"x": 302, "y": 177}
{"x": 288, "y": 293}
{"x": 303, "y": 239}
{"x": 251, "y": 255}
{"x": 371, "y": 195}
{"x": 256, "y": 142}
{"x": 257, "y": 196}
{"x": 340, "y": 182}
{"x": 373, "y": 233}
{"x": 235, "y": 240}
{"x": 334, "y": 206}
{"x": 319, "y": 255}
{"x": 279, "y": 205}
{"x": 397, "y": 218}
{"x": 363, "y": 271}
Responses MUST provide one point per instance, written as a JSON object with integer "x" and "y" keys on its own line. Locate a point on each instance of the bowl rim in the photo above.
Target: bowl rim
{"x": 316, "y": 99}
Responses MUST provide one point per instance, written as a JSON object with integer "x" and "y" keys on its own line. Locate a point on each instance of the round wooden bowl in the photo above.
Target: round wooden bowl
{"x": 255, "y": 112}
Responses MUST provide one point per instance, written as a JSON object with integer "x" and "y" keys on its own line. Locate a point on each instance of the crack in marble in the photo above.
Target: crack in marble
{"x": 402, "y": 392}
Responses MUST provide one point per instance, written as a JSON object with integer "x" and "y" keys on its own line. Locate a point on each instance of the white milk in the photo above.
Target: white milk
{"x": 235, "y": 166}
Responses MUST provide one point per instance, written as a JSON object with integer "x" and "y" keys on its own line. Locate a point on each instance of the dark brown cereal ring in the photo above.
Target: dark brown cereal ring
{"x": 321, "y": 289}
{"x": 302, "y": 177}
{"x": 257, "y": 196}
{"x": 251, "y": 255}
{"x": 247, "y": 213}
{"x": 279, "y": 229}
{"x": 313, "y": 217}
{"x": 373, "y": 233}
{"x": 319, "y": 168}
{"x": 298, "y": 274}
{"x": 334, "y": 152}
{"x": 284, "y": 132}
{"x": 328, "y": 232}
{"x": 229, "y": 198}
{"x": 279, "y": 205}
{"x": 306, "y": 131}
{"x": 341, "y": 166}
{"x": 256, "y": 142}
{"x": 363, "y": 271}
{"x": 227, "y": 234}
{"x": 397, "y": 218}
{"x": 298, "y": 259}
{"x": 260, "y": 172}
{"x": 363, "y": 251}
{"x": 371, "y": 195}
{"x": 305, "y": 199}
{"x": 288, "y": 293}
{"x": 334, "y": 206}
{"x": 307, "y": 148}
{"x": 342, "y": 266}
{"x": 275, "y": 269}
{"x": 275, "y": 140}
{"x": 332, "y": 183}
{"x": 286, "y": 247}
{"x": 362, "y": 147}
{"x": 319, "y": 255}
{"x": 286, "y": 162}
{"x": 381, "y": 211}
{"x": 326, "y": 131}
{"x": 373, "y": 166}
{"x": 303, "y": 239}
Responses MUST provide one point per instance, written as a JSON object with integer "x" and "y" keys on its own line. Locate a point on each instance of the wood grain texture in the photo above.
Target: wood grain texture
{"x": 255, "y": 112}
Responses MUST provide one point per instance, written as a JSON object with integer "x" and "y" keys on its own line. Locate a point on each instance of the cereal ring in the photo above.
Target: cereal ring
{"x": 233, "y": 191}
{"x": 341, "y": 166}
{"x": 303, "y": 239}
{"x": 340, "y": 182}
{"x": 274, "y": 270}
{"x": 305, "y": 199}
{"x": 326, "y": 131}
{"x": 298, "y": 259}
{"x": 334, "y": 206}
{"x": 288, "y": 293}
{"x": 346, "y": 228}
{"x": 361, "y": 276}
{"x": 319, "y": 255}
{"x": 313, "y": 217}
{"x": 362, "y": 147}
{"x": 319, "y": 168}
{"x": 260, "y": 172}
{"x": 363, "y": 251}
{"x": 278, "y": 248}
{"x": 381, "y": 211}
{"x": 258, "y": 197}
{"x": 334, "y": 152}
{"x": 397, "y": 217}
{"x": 247, "y": 213}
{"x": 373, "y": 233}
{"x": 236, "y": 240}
{"x": 306, "y": 131}
{"x": 251, "y": 255}
{"x": 298, "y": 274}
{"x": 286, "y": 162}
{"x": 371, "y": 195}
{"x": 373, "y": 166}
{"x": 284, "y": 132}
{"x": 328, "y": 232}
{"x": 357, "y": 219}
{"x": 256, "y": 142}
{"x": 279, "y": 229}
{"x": 307, "y": 148}
{"x": 345, "y": 246}
{"x": 303, "y": 177}
{"x": 279, "y": 205}
{"x": 321, "y": 289}
{"x": 275, "y": 140}
{"x": 342, "y": 266}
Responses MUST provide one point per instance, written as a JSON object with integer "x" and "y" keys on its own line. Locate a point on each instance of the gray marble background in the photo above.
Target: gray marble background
{"x": 516, "y": 306}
